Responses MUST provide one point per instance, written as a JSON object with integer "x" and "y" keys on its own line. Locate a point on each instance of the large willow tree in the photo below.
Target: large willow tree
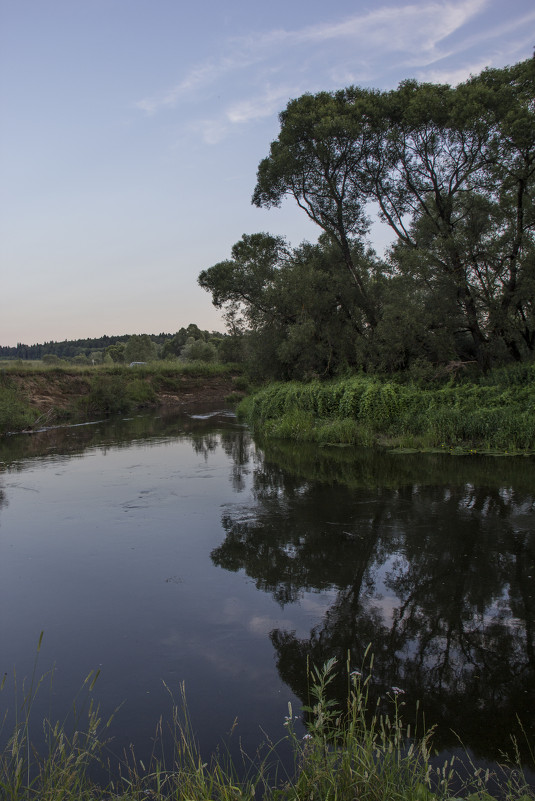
{"x": 453, "y": 173}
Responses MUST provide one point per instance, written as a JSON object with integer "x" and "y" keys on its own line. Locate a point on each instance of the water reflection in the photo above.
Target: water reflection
{"x": 314, "y": 553}
{"x": 105, "y": 546}
{"x": 111, "y": 434}
{"x": 436, "y": 571}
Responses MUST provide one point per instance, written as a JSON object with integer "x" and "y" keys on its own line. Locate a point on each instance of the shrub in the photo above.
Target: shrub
{"x": 15, "y": 414}
{"x": 198, "y": 350}
{"x": 140, "y": 393}
{"x": 107, "y": 395}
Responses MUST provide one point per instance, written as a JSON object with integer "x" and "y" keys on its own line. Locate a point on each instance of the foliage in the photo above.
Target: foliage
{"x": 83, "y": 392}
{"x": 172, "y": 348}
{"x": 198, "y": 350}
{"x": 140, "y": 349}
{"x": 140, "y": 393}
{"x": 291, "y": 309}
{"x": 116, "y": 352}
{"x": 96, "y": 351}
{"x": 364, "y": 410}
{"x": 107, "y": 395}
{"x": 15, "y": 413}
{"x": 320, "y": 160}
{"x": 452, "y": 172}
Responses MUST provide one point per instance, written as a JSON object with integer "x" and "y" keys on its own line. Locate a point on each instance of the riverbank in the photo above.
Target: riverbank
{"x": 35, "y": 396}
{"x": 496, "y": 415}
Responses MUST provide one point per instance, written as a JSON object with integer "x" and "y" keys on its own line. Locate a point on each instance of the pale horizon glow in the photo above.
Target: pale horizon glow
{"x": 132, "y": 131}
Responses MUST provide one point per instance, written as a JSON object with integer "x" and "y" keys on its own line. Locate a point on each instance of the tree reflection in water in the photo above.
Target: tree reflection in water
{"x": 432, "y": 559}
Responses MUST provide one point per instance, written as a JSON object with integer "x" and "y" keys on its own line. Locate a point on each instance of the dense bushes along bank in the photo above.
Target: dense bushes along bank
{"x": 37, "y": 395}
{"x": 498, "y": 415}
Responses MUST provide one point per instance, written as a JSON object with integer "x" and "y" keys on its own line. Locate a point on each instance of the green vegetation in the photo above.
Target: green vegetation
{"x": 495, "y": 414}
{"x": 452, "y": 173}
{"x": 83, "y": 392}
{"x": 15, "y": 413}
{"x": 349, "y": 751}
{"x": 208, "y": 346}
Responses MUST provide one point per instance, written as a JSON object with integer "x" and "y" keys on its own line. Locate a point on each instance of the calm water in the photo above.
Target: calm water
{"x": 169, "y": 550}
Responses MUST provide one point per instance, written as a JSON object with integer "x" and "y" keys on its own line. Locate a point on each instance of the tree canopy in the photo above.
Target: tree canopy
{"x": 452, "y": 172}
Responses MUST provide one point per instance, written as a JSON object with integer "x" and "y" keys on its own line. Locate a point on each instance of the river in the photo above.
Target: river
{"x": 174, "y": 549}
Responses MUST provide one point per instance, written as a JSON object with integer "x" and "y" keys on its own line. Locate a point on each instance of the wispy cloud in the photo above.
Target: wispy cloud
{"x": 417, "y": 29}
{"x": 452, "y": 76}
{"x": 196, "y": 77}
{"x": 212, "y": 131}
{"x": 199, "y": 76}
{"x": 429, "y": 40}
{"x": 499, "y": 48}
{"x": 263, "y": 105}
{"x": 519, "y": 25}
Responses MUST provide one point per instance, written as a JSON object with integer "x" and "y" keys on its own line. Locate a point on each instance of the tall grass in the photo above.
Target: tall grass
{"x": 58, "y": 766}
{"x": 350, "y": 751}
{"x": 160, "y": 367}
{"x": 364, "y": 410}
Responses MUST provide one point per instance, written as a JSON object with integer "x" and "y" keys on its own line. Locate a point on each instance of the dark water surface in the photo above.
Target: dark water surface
{"x": 175, "y": 549}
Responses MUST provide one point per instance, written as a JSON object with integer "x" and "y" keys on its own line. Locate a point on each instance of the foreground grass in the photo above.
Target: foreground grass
{"x": 362, "y": 410}
{"x": 348, "y": 752}
{"x": 89, "y": 391}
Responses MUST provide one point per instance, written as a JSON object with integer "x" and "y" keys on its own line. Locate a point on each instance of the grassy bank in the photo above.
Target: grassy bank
{"x": 497, "y": 415}
{"x": 348, "y": 752}
{"x": 32, "y": 396}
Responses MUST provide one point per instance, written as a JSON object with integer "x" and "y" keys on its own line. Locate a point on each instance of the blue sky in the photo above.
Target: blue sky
{"x": 132, "y": 130}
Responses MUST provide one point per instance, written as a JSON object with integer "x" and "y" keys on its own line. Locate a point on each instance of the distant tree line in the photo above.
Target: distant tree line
{"x": 189, "y": 344}
{"x": 451, "y": 171}
{"x": 66, "y": 349}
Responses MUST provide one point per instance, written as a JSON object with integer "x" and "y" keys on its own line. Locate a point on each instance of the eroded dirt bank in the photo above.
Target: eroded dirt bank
{"x": 47, "y": 391}
{"x": 55, "y": 396}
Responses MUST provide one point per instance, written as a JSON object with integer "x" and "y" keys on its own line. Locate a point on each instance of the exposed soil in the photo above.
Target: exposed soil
{"x": 50, "y": 391}
{"x": 213, "y": 389}
{"x": 53, "y": 393}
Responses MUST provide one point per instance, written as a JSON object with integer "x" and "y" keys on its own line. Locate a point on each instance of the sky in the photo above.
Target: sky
{"x": 131, "y": 132}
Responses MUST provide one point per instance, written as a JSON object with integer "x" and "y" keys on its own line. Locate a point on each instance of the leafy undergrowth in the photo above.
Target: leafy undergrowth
{"x": 463, "y": 418}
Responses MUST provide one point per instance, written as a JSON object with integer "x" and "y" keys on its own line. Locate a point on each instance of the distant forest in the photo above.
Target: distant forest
{"x": 67, "y": 349}
{"x": 189, "y": 343}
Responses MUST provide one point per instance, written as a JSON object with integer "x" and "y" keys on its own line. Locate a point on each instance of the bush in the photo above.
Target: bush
{"x": 140, "y": 393}
{"x": 15, "y": 414}
{"x": 107, "y": 395}
{"x": 200, "y": 351}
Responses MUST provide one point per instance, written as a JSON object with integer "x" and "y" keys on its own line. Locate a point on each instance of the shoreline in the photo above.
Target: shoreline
{"x": 33, "y": 398}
